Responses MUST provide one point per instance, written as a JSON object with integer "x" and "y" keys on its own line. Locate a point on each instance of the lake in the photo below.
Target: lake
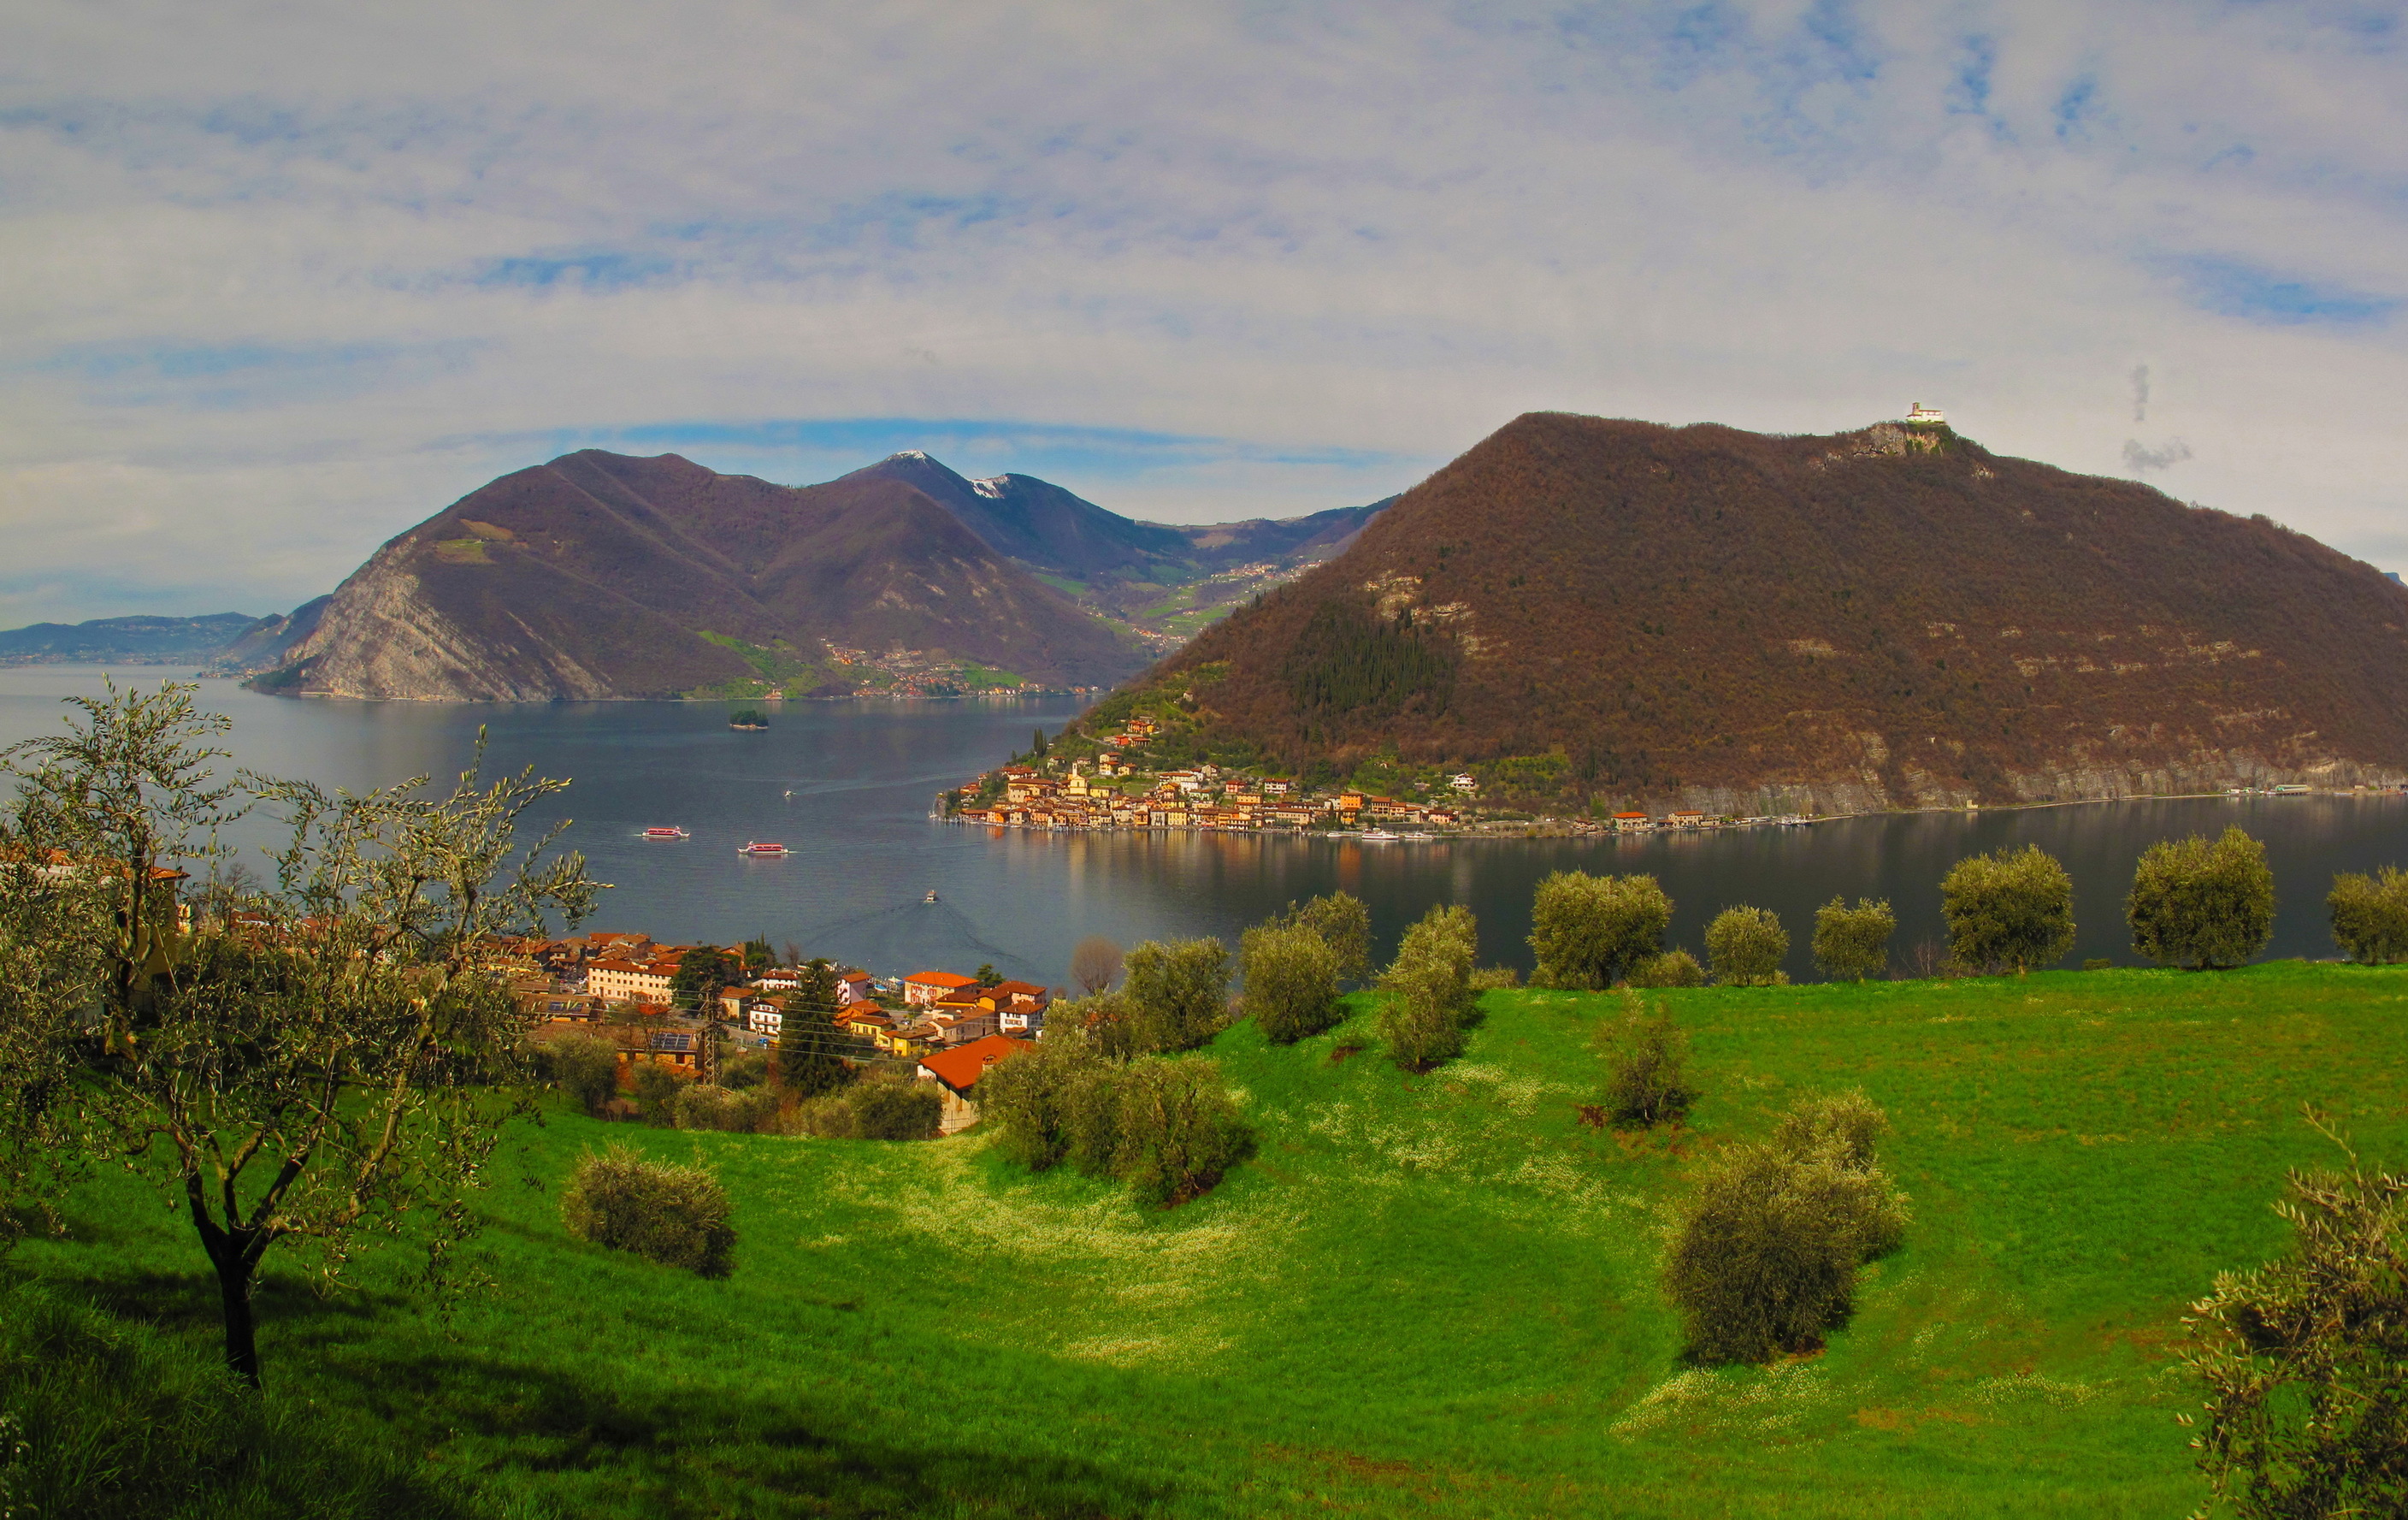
{"x": 847, "y": 785}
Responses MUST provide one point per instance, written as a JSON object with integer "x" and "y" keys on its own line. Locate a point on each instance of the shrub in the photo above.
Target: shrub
{"x": 1430, "y": 990}
{"x": 1168, "y": 1129}
{"x": 1766, "y": 1256}
{"x": 2305, "y": 1359}
{"x": 1853, "y": 943}
{"x": 1672, "y": 968}
{"x": 1495, "y": 979}
{"x": 700, "y": 1105}
{"x": 1291, "y": 982}
{"x": 742, "y": 1069}
{"x": 1345, "y": 925}
{"x": 1649, "y": 1084}
{"x": 1178, "y": 993}
{"x": 2012, "y": 910}
{"x": 656, "y": 1087}
{"x": 1744, "y": 946}
{"x": 2097, "y": 963}
{"x": 2201, "y": 905}
{"x": 1178, "y": 1130}
{"x": 585, "y": 1069}
{"x": 1588, "y": 931}
{"x": 2369, "y": 916}
{"x": 895, "y": 1110}
{"x": 674, "y": 1216}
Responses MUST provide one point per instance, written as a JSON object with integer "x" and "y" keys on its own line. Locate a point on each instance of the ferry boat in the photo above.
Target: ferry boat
{"x": 755, "y": 848}
{"x": 672, "y": 832}
{"x": 1378, "y": 836}
{"x": 931, "y": 896}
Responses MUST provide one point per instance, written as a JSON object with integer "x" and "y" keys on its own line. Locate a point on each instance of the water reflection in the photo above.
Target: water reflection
{"x": 847, "y": 786}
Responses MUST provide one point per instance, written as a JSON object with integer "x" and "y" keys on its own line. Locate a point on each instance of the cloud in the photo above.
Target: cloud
{"x": 2140, "y": 460}
{"x": 283, "y": 287}
{"x": 2140, "y": 399}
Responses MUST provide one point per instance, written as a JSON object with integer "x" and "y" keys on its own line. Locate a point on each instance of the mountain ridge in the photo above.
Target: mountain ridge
{"x": 1597, "y": 611}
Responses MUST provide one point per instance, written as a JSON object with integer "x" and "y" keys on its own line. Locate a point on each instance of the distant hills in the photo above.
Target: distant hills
{"x": 1600, "y": 614}
{"x": 601, "y": 575}
{"x": 130, "y": 641}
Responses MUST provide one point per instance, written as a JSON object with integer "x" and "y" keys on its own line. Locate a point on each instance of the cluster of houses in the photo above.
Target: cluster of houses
{"x": 1110, "y": 791}
{"x": 619, "y": 986}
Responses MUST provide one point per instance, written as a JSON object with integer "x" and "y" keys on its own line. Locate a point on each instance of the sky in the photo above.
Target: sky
{"x": 284, "y": 278}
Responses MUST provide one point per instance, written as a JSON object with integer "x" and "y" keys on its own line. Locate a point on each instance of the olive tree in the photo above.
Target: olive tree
{"x": 1291, "y": 977}
{"x": 2010, "y": 910}
{"x": 1431, "y": 1001}
{"x": 331, "y": 1067}
{"x": 1589, "y": 931}
{"x": 1178, "y": 993}
{"x": 1744, "y": 947}
{"x": 2369, "y": 916}
{"x": 2202, "y": 905}
{"x": 1647, "y": 1083}
{"x": 1853, "y": 943}
{"x": 2305, "y": 1359}
{"x": 1342, "y": 922}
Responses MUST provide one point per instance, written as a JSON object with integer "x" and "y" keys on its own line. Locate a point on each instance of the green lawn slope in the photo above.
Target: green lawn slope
{"x": 1426, "y": 1295}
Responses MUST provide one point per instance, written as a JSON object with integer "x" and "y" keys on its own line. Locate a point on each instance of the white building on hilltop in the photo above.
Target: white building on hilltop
{"x": 1920, "y": 415}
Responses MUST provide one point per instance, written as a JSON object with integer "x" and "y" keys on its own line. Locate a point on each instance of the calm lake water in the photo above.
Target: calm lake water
{"x": 847, "y": 785}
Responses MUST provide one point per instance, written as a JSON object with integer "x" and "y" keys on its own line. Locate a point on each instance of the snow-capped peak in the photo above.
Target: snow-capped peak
{"x": 910, "y": 453}
{"x": 991, "y": 487}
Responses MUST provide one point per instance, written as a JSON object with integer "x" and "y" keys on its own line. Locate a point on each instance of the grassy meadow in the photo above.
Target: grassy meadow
{"x": 1426, "y": 1295}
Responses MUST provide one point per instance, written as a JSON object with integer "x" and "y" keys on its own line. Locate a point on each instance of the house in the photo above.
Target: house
{"x": 1466, "y": 782}
{"x": 1019, "y": 1006}
{"x": 1630, "y": 823}
{"x": 864, "y": 1020}
{"x": 957, "y": 1073}
{"x": 1350, "y": 803}
{"x": 765, "y": 1013}
{"x": 631, "y": 982}
{"x": 922, "y": 989}
{"x": 852, "y": 986}
{"x": 1687, "y": 818}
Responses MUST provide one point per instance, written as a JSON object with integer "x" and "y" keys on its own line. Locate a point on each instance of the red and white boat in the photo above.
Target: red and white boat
{"x": 759, "y": 849}
{"x": 672, "y": 832}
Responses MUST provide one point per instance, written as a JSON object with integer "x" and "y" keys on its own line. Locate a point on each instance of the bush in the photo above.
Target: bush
{"x": 1766, "y": 1256}
{"x": 1291, "y": 982}
{"x": 1588, "y": 931}
{"x": 895, "y": 1110}
{"x": 1744, "y": 946}
{"x": 1168, "y": 1129}
{"x": 1853, "y": 943}
{"x": 2305, "y": 1360}
{"x": 2097, "y": 963}
{"x": 656, "y": 1088}
{"x": 2201, "y": 905}
{"x": 1430, "y": 1000}
{"x": 1345, "y": 925}
{"x": 1672, "y": 968}
{"x": 1649, "y": 1084}
{"x": 2369, "y": 916}
{"x": 699, "y": 1105}
{"x": 1178, "y": 993}
{"x": 585, "y": 1069}
{"x": 2009, "y": 911}
{"x": 1178, "y": 1132}
{"x": 742, "y": 1069}
{"x": 674, "y": 1216}
{"x": 1495, "y": 979}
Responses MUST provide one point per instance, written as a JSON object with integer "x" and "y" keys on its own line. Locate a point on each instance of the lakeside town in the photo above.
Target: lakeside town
{"x": 1117, "y": 782}
{"x": 691, "y": 1009}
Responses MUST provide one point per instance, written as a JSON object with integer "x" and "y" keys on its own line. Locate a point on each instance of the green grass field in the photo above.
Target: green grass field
{"x": 1427, "y": 1295}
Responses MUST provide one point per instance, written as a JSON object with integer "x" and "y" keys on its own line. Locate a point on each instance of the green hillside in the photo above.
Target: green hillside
{"x": 1426, "y": 1295}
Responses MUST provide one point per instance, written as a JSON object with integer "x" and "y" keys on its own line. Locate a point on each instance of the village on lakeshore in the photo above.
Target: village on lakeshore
{"x": 1120, "y": 780}
{"x": 688, "y": 1009}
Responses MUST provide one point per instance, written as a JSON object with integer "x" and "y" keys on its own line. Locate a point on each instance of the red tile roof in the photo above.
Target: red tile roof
{"x": 961, "y": 1069}
{"x": 941, "y": 979}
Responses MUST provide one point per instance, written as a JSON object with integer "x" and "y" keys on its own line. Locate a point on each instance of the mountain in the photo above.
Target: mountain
{"x": 599, "y": 575}
{"x": 264, "y": 644}
{"x": 1049, "y": 530}
{"x": 131, "y": 640}
{"x": 1617, "y": 612}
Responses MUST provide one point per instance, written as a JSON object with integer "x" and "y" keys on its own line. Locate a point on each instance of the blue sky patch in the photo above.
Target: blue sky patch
{"x": 2234, "y": 289}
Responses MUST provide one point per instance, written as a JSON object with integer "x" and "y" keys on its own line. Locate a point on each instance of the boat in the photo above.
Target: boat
{"x": 1378, "y": 836}
{"x": 931, "y": 896}
{"x": 672, "y": 832}
{"x": 757, "y": 848}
